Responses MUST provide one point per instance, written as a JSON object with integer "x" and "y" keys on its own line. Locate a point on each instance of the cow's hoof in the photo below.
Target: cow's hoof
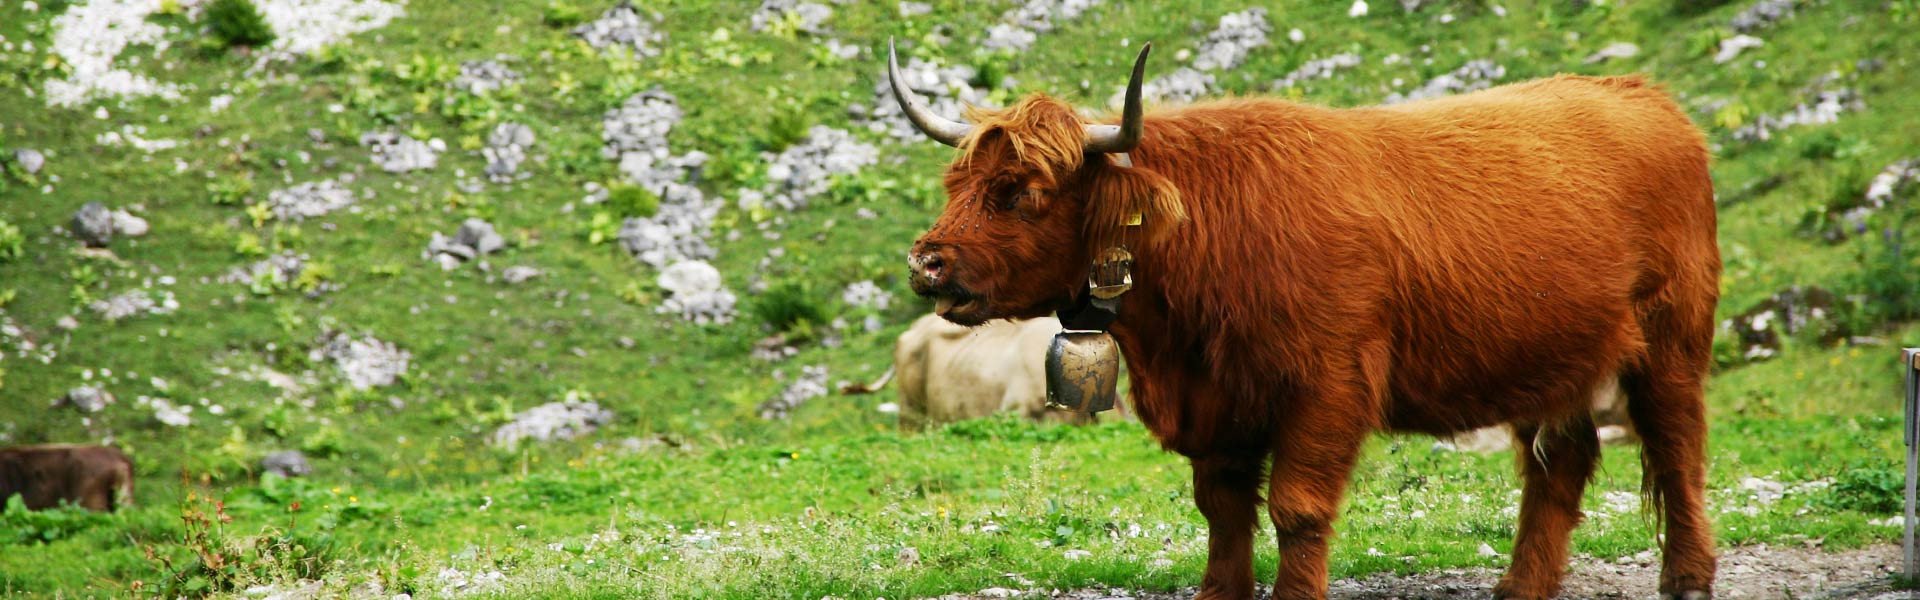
{"x": 1687, "y": 595}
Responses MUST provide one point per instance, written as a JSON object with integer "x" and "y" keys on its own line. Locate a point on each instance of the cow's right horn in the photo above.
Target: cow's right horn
{"x": 1113, "y": 139}
{"x": 935, "y": 126}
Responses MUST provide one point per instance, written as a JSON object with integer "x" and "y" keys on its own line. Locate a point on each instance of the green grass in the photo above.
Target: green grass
{"x": 823, "y": 503}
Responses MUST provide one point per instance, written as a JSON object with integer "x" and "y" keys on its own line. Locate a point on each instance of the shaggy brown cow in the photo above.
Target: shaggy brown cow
{"x": 1305, "y": 276}
{"x": 95, "y": 477}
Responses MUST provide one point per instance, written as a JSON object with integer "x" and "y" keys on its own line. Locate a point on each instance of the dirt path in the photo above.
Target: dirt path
{"x": 1748, "y": 572}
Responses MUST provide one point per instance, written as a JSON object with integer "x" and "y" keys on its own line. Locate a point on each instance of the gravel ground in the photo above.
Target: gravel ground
{"x": 1745, "y": 572}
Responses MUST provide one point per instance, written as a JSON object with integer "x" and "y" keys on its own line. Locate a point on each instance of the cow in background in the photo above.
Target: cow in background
{"x": 98, "y": 478}
{"x": 948, "y": 372}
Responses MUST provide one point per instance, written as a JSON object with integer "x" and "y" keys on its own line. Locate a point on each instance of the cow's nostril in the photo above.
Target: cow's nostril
{"x": 932, "y": 265}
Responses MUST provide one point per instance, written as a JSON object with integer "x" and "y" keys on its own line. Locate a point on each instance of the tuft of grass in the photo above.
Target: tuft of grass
{"x": 238, "y": 23}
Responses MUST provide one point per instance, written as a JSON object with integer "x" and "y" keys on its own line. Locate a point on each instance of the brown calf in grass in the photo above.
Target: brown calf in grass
{"x": 94, "y": 477}
{"x": 1306, "y": 276}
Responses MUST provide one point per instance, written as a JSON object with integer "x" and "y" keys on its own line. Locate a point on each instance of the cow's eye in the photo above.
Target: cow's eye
{"x": 1012, "y": 198}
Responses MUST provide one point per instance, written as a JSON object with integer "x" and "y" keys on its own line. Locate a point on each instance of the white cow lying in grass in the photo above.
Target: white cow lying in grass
{"x": 948, "y": 372}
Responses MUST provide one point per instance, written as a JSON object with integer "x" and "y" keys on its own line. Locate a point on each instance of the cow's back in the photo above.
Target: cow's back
{"x": 94, "y": 477}
{"x": 948, "y": 372}
{"x": 1502, "y": 242}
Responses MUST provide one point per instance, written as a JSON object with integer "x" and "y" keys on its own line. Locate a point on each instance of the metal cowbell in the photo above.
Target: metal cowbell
{"x": 1083, "y": 371}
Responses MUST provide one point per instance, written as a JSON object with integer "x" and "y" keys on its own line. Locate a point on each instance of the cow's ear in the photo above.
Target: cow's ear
{"x": 1131, "y": 206}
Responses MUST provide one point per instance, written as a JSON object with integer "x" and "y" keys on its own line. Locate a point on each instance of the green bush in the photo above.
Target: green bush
{"x": 238, "y": 23}
{"x": 561, "y": 14}
{"x": 625, "y": 200}
{"x": 789, "y": 307}
{"x": 1868, "y": 489}
{"x": 12, "y": 242}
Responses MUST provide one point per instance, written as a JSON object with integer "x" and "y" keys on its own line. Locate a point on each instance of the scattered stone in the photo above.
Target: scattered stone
{"x": 947, "y": 91}
{"x": 914, "y": 9}
{"x": 1613, "y": 51}
{"x": 29, "y": 160}
{"x": 773, "y": 348}
{"x": 1793, "y": 311}
{"x": 636, "y": 135}
{"x": 286, "y": 463}
{"x": 1477, "y": 74}
{"x": 366, "y": 362}
{"x": 564, "y": 420}
{"x": 805, "y": 17}
{"x": 1237, "y": 36}
{"x": 1762, "y": 14}
{"x": 519, "y": 274}
{"x": 303, "y": 26}
{"x": 133, "y": 135}
{"x": 454, "y": 582}
{"x": 1731, "y": 48}
{"x": 807, "y": 169}
{"x": 125, "y": 223}
{"x": 167, "y": 413}
{"x": 88, "y": 39}
{"x": 134, "y": 303}
{"x": 1324, "y": 68}
{"x": 865, "y": 294}
{"x": 86, "y": 399}
{"x": 696, "y": 293}
{"x": 311, "y": 199}
{"x": 1020, "y": 27}
{"x": 506, "y": 148}
{"x": 1825, "y": 108}
{"x": 811, "y": 384}
{"x": 622, "y": 28}
{"x": 400, "y": 153}
{"x": 474, "y": 239}
{"x": 483, "y": 76}
{"x": 93, "y": 224}
{"x": 1897, "y": 179}
{"x": 1184, "y": 84}
{"x": 273, "y": 271}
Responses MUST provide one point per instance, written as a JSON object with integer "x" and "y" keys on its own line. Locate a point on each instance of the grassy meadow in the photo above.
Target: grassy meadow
{"x": 687, "y": 491}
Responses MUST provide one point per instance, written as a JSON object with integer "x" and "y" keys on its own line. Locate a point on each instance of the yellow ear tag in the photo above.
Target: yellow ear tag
{"x": 1133, "y": 220}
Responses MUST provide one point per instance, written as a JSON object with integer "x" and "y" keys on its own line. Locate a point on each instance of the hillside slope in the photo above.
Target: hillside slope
{"x": 293, "y": 288}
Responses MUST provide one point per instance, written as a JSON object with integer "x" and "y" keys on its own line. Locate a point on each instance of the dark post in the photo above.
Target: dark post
{"x": 1910, "y": 366}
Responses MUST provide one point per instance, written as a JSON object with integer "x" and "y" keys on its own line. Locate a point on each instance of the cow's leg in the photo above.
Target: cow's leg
{"x": 1313, "y": 459}
{"x": 1668, "y": 408}
{"x": 1555, "y": 463}
{"x": 1225, "y": 488}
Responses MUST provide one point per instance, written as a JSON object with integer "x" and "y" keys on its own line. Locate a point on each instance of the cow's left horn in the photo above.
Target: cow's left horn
{"x": 935, "y": 126}
{"x": 1108, "y": 139}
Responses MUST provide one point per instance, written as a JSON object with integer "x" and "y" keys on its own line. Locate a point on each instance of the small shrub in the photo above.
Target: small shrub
{"x": 229, "y": 191}
{"x": 12, "y": 242}
{"x": 238, "y": 23}
{"x": 625, "y": 200}
{"x": 19, "y": 526}
{"x": 787, "y": 127}
{"x": 1868, "y": 489}
{"x": 789, "y": 307}
{"x": 1695, "y": 7}
{"x": 562, "y": 15}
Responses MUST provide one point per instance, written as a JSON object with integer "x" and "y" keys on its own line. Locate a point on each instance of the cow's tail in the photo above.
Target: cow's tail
{"x": 868, "y": 388}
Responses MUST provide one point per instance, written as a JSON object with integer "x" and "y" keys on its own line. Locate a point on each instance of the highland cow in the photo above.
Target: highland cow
{"x": 98, "y": 478}
{"x": 1305, "y": 276}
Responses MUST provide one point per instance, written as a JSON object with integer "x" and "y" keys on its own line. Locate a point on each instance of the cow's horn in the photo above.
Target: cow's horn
{"x": 935, "y": 126}
{"x": 1107, "y": 139}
